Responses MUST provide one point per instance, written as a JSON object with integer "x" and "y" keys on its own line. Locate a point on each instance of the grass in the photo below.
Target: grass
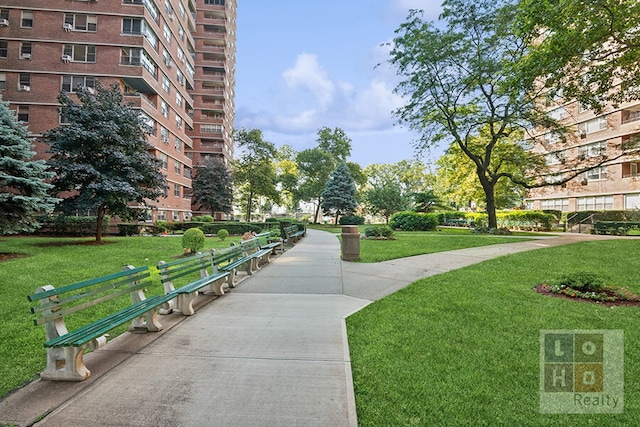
{"x": 59, "y": 262}
{"x": 462, "y": 348}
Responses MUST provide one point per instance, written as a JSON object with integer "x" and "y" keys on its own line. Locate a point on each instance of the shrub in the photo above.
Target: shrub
{"x": 580, "y": 281}
{"x": 162, "y": 226}
{"x": 351, "y": 220}
{"x": 203, "y": 218}
{"x": 379, "y": 231}
{"x": 532, "y": 220}
{"x": 223, "y": 233}
{"x": 495, "y": 231}
{"x": 414, "y": 221}
{"x": 193, "y": 239}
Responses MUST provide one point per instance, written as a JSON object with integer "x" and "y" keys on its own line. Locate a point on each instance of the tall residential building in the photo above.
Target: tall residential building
{"x": 613, "y": 186}
{"x": 159, "y": 51}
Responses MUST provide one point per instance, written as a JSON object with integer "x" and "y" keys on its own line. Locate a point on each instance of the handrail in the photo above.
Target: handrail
{"x": 585, "y": 219}
{"x": 567, "y": 222}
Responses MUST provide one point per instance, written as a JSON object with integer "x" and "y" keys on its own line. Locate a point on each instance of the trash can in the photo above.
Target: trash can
{"x": 350, "y": 243}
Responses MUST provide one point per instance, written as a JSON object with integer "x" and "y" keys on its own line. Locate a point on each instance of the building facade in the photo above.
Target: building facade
{"x": 614, "y": 185}
{"x": 152, "y": 48}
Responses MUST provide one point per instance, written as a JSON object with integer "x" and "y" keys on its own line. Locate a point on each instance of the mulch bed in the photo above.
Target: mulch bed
{"x": 6, "y": 256}
{"x": 542, "y": 290}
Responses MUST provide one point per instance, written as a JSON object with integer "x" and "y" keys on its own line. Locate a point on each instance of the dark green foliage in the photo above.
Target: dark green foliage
{"x": 351, "y": 220}
{"x": 494, "y": 231}
{"x": 202, "y": 218}
{"x": 339, "y": 195}
{"x": 23, "y": 190}
{"x": 60, "y": 225}
{"x": 425, "y": 201}
{"x": 385, "y": 199}
{"x": 526, "y": 219}
{"x": 102, "y": 156}
{"x": 193, "y": 239}
{"x": 379, "y": 231}
{"x": 213, "y": 187}
{"x": 413, "y": 221}
{"x": 581, "y": 281}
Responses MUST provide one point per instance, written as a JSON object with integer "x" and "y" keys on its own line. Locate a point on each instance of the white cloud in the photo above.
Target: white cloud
{"x": 309, "y": 74}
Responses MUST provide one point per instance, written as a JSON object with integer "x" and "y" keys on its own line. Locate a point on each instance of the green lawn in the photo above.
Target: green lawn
{"x": 58, "y": 262}
{"x": 462, "y": 348}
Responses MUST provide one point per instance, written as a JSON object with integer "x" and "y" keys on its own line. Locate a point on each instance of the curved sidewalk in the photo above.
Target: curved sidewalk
{"x": 271, "y": 352}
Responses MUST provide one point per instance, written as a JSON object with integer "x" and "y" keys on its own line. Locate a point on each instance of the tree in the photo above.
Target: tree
{"x": 288, "y": 176}
{"x": 460, "y": 85}
{"x": 587, "y": 51}
{"x": 101, "y": 155}
{"x": 315, "y": 167}
{"x": 335, "y": 142}
{"x": 213, "y": 187}
{"x": 424, "y": 201}
{"x": 386, "y": 199}
{"x": 23, "y": 186}
{"x": 254, "y": 170}
{"x": 339, "y": 195}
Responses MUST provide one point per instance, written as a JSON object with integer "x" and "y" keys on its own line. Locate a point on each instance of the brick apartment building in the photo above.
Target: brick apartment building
{"x": 175, "y": 60}
{"x": 613, "y": 186}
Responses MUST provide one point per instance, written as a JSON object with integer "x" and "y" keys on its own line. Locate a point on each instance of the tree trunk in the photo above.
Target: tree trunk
{"x": 336, "y": 220}
{"x": 315, "y": 218}
{"x": 99, "y": 221}
{"x": 489, "y": 193}
{"x": 249, "y": 207}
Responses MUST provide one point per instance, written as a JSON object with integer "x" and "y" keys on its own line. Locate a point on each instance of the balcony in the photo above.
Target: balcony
{"x": 630, "y": 115}
{"x": 630, "y": 169}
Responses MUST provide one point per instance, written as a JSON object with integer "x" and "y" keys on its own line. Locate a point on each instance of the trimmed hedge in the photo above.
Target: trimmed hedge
{"x": 414, "y": 221}
{"x": 60, "y": 225}
{"x": 351, "y": 220}
{"x": 530, "y": 220}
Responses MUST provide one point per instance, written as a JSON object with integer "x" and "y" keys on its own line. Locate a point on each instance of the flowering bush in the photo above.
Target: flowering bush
{"x": 588, "y": 286}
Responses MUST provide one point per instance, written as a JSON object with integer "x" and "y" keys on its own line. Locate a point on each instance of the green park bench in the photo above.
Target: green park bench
{"x": 85, "y": 300}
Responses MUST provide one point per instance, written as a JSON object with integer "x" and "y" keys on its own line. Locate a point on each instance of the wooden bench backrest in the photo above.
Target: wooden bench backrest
{"x": 226, "y": 255}
{"x": 185, "y": 270}
{"x": 56, "y": 303}
{"x": 250, "y": 245}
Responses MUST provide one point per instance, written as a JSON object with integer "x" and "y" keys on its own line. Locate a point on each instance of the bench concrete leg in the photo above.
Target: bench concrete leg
{"x": 185, "y": 303}
{"x": 217, "y": 287}
{"x": 148, "y": 322}
{"x": 232, "y": 279}
{"x": 67, "y": 363}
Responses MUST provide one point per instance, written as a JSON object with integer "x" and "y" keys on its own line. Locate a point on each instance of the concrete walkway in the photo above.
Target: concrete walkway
{"x": 271, "y": 352}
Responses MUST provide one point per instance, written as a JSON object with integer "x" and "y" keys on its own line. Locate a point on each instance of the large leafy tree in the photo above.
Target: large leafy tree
{"x": 254, "y": 170}
{"x": 461, "y": 90}
{"x": 589, "y": 50}
{"x": 23, "y": 186}
{"x": 213, "y": 186}
{"x": 288, "y": 176}
{"x": 101, "y": 155}
{"x": 385, "y": 199}
{"x": 339, "y": 195}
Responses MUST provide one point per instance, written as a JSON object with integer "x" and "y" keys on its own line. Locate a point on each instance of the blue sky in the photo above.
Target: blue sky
{"x": 303, "y": 65}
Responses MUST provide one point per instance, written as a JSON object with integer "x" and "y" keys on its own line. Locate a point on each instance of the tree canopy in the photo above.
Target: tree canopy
{"x": 213, "y": 186}
{"x": 339, "y": 195}
{"x": 254, "y": 170}
{"x": 23, "y": 186}
{"x": 101, "y": 155}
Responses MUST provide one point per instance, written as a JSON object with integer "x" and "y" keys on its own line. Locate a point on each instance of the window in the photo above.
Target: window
{"x": 164, "y": 109}
{"x": 166, "y": 32}
{"x": 180, "y": 77}
{"x": 551, "y": 137}
{"x": 177, "y": 167}
{"x": 632, "y": 201}
{"x": 164, "y": 135}
{"x": 4, "y": 49}
{"x": 210, "y": 128}
{"x": 24, "y": 82}
{"x": 558, "y": 113}
{"x": 597, "y": 174}
{"x": 596, "y": 149}
{"x": 4, "y": 14}
{"x": 598, "y": 203}
{"x": 166, "y": 85}
{"x": 80, "y": 52}
{"x": 181, "y": 10}
{"x": 25, "y": 50}
{"x": 178, "y": 145}
{"x": 176, "y": 190}
{"x": 131, "y": 26}
{"x": 555, "y": 158}
{"x": 23, "y": 113}
{"x": 72, "y": 83}
{"x": 164, "y": 159}
{"x": 178, "y": 99}
{"x": 591, "y": 126}
{"x": 130, "y": 56}
{"x": 166, "y": 58}
{"x": 555, "y": 204}
{"x": 27, "y": 19}
{"x": 3, "y": 81}
{"x": 214, "y": 2}
{"x": 79, "y": 22}
{"x": 178, "y": 122}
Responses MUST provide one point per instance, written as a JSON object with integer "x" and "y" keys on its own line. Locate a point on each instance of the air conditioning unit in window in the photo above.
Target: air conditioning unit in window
{"x": 66, "y": 58}
{"x": 25, "y": 56}
{"x": 24, "y": 88}
{"x": 170, "y": 64}
{"x": 583, "y": 133}
{"x": 4, "y": 22}
{"x": 67, "y": 27}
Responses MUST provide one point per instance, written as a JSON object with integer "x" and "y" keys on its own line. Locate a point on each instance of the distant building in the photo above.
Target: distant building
{"x": 175, "y": 60}
{"x": 613, "y": 186}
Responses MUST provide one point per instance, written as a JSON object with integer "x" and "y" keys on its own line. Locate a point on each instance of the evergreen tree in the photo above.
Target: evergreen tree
{"x": 102, "y": 156}
{"x": 339, "y": 195}
{"x": 213, "y": 187}
{"x": 23, "y": 187}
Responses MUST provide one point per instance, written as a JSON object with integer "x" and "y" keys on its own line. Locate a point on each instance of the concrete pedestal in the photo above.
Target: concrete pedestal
{"x": 350, "y": 243}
